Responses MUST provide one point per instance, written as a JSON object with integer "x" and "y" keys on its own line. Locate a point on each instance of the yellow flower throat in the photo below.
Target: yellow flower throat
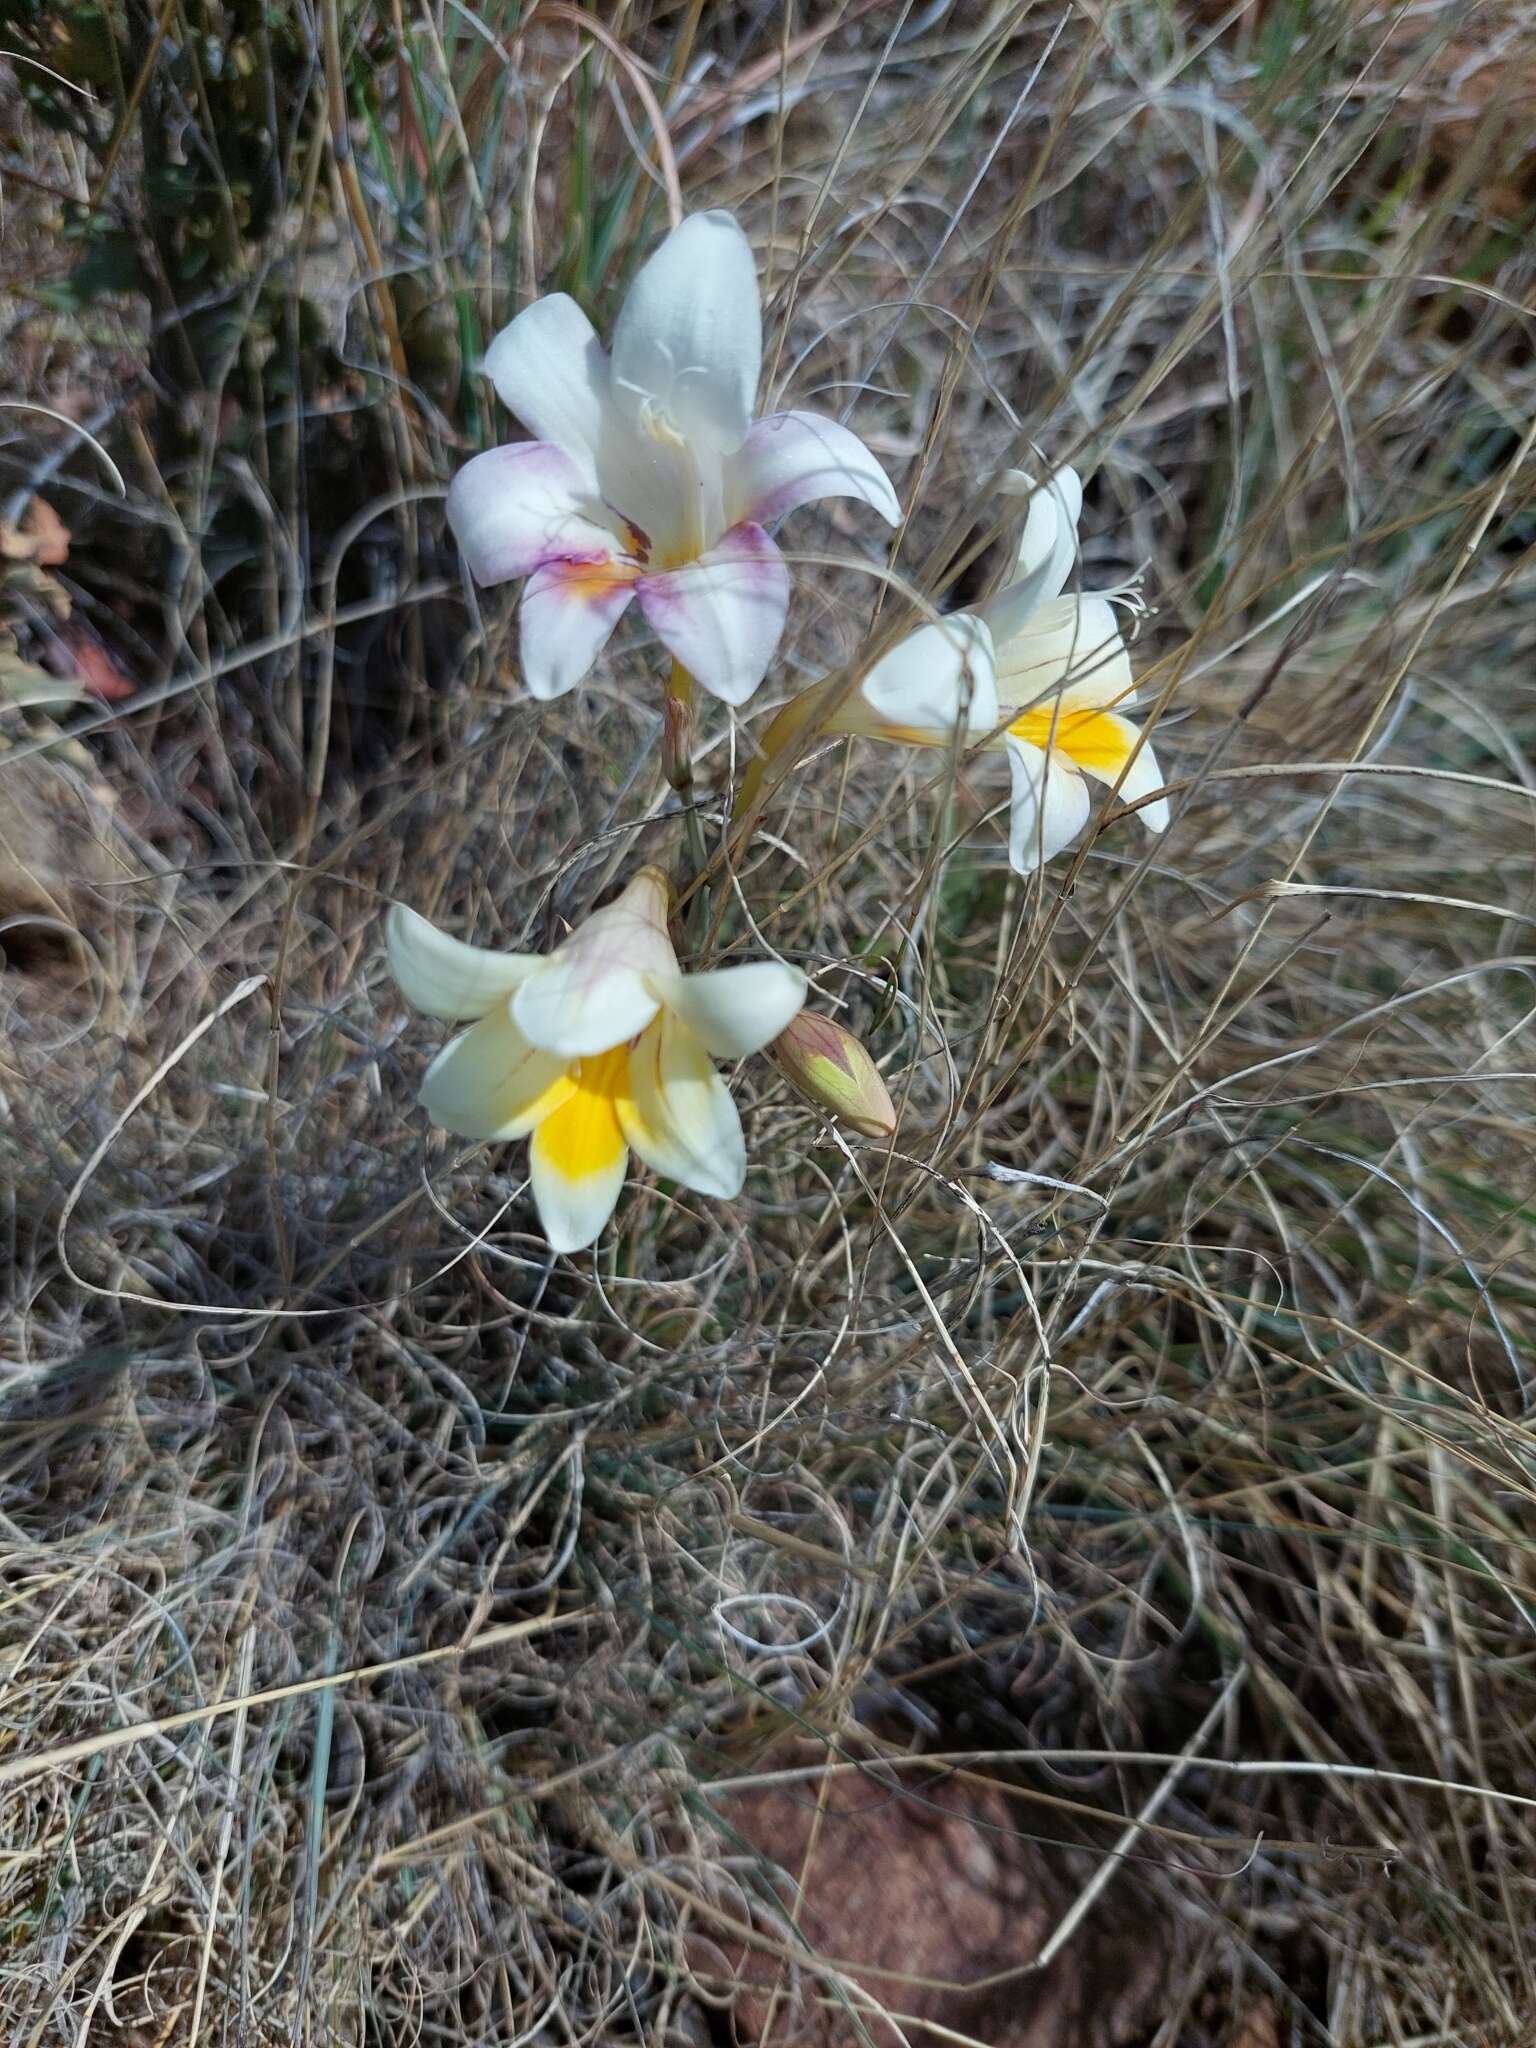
{"x": 1090, "y": 738}
{"x": 581, "y": 1134}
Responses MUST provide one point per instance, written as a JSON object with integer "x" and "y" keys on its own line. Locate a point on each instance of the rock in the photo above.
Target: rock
{"x": 930, "y": 1880}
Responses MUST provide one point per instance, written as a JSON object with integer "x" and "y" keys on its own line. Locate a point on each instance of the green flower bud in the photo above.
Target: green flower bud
{"x": 831, "y": 1069}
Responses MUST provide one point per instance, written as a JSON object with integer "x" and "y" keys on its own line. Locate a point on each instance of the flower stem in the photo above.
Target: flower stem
{"x": 793, "y": 728}
{"x": 677, "y": 766}
{"x": 677, "y": 733}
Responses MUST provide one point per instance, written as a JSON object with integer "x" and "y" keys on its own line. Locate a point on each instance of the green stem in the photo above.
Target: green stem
{"x": 677, "y": 766}
{"x": 793, "y": 728}
{"x": 677, "y": 733}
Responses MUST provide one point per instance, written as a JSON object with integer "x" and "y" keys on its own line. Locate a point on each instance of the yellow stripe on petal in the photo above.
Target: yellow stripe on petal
{"x": 555, "y": 1096}
{"x": 579, "y": 1156}
{"x": 582, "y": 1136}
{"x": 1096, "y": 741}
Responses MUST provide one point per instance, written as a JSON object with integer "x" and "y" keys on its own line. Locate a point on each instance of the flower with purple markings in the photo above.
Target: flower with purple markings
{"x": 648, "y": 478}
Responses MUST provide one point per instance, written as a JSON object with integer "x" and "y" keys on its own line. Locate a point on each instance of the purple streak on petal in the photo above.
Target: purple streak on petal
{"x": 723, "y": 615}
{"x": 794, "y": 458}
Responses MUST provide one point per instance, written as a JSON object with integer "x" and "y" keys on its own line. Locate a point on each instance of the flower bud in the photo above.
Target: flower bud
{"x": 831, "y": 1069}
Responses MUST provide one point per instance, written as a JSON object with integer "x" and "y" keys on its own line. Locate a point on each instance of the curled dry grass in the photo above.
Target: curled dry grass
{"x": 1148, "y": 1429}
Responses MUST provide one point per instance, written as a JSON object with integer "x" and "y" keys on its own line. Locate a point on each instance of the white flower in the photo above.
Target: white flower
{"x": 1043, "y": 675}
{"x": 597, "y": 1049}
{"x": 648, "y": 477}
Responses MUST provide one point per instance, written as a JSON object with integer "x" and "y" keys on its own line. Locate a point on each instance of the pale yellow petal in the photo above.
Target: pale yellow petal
{"x": 490, "y": 1083}
{"x": 1071, "y": 652}
{"x": 442, "y": 976}
{"x": 578, "y": 1157}
{"x": 1050, "y": 804}
{"x": 733, "y": 1011}
{"x": 593, "y": 992}
{"x": 678, "y": 1114}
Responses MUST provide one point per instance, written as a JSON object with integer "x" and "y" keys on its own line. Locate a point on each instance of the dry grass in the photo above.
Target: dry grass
{"x": 1177, "y": 1358}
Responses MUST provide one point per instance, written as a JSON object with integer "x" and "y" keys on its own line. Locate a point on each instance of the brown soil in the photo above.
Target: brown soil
{"x": 936, "y": 1906}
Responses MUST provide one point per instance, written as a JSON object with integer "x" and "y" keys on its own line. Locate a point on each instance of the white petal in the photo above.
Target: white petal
{"x": 489, "y": 1082}
{"x": 1144, "y": 774}
{"x": 937, "y": 678}
{"x": 443, "y": 977}
{"x": 1047, "y": 549}
{"x": 1102, "y": 748}
{"x": 574, "y": 1212}
{"x": 513, "y": 508}
{"x": 794, "y": 458}
{"x": 680, "y": 1118}
{"x": 551, "y": 371}
{"x": 668, "y": 493}
{"x": 1071, "y": 641}
{"x": 735, "y": 1010}
{"x": 579, "y": 1158}
{"x": 689, "y": 340}
{"x": 583, "y": 1005}
{"x": 568, "y": 611}
{"x": 1048, "y": 543}
{"x": 722, "y": 616}
{"x": 594, "y": 992}
{"x": 1050, "y": 804}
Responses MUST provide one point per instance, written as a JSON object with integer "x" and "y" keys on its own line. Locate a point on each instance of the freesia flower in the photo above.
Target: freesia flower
{"x": 648, "y": 477}
{"x": 1045, "y": 675}
{"x": 598, "y": 1049}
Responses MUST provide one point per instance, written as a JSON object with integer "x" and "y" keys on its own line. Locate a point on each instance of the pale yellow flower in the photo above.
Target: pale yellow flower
{"x": 598, "y": 1049}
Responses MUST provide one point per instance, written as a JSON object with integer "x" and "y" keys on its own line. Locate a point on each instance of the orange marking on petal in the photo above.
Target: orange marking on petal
{"x": 587, "y": 580}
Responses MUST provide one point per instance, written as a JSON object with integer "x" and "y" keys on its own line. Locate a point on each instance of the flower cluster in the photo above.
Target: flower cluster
{"x": 600, "y": 1049}
{"x": 649, "y": 480}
